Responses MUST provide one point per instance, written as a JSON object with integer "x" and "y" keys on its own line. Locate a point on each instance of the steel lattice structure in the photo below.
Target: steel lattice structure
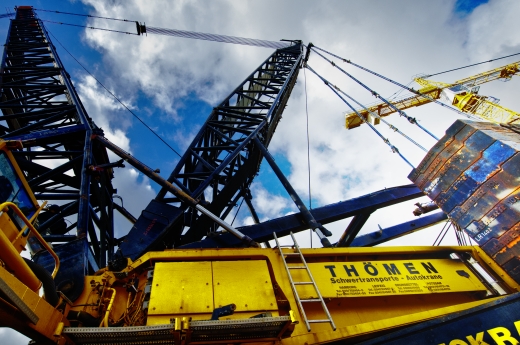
{"x": 40, "y": 107}
{"x": 222, "y": 160}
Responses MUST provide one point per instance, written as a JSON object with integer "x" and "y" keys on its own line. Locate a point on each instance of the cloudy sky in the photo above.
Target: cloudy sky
{"x": 172, "y": 84}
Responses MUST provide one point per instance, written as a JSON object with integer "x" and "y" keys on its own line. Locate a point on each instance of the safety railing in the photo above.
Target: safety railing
{"x": 32, "y": 230}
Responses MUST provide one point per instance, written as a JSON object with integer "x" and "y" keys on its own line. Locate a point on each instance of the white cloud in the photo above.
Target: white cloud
{"x": 269, "y": 205}
{"x": 134, "y": 188}
{"x": 398, "y": 41}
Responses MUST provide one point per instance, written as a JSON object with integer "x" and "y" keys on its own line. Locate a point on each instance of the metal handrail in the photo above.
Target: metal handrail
{"x": 35, "y": 232}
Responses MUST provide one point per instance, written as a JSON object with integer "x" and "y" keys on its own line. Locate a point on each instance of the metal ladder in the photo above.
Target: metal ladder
{"x": 311, "y": 282}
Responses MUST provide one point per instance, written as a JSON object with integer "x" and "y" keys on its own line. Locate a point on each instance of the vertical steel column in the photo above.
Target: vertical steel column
{"x": 84, "y": 196}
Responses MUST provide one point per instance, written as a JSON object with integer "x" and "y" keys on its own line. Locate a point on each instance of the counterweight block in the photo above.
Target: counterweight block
{"x": 473, "y": 175}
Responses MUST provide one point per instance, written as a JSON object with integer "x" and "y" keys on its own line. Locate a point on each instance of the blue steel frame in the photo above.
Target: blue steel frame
{"x": 41, "y": 108}
{"x": 263, "y": 232}
{"x": 222, "y": 160}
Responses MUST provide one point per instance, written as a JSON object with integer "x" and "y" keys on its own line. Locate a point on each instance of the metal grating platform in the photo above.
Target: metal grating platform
{"x": 141, "y": 335}
{"x": 198, "y": 332}
{"x": 254, "y": 329}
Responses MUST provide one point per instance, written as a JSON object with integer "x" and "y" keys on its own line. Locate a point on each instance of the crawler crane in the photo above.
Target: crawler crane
{"x": 174, "y": 279}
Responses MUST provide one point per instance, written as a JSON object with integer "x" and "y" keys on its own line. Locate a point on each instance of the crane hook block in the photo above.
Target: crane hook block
{"x": 141, "y": 28}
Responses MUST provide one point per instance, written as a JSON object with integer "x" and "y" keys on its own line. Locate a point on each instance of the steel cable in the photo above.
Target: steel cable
{"x": 90, "y": 27}
{"x": 84, "y": 15}
{"x": 377, "y": 95}
{"x": 399, "y": 84}
{"x": 335, "y": 90}
{"x": 217, "y": 38}
{"x": 190, "y": 34}
{"x": 475, "y": 64}
{"x": 116, "y": 98}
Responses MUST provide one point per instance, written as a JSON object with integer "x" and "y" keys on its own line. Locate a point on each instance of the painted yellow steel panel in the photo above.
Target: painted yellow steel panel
{"x": 245, "y": 283}
{"x": 388, "y": 278}
{"x": 181, "y": 288}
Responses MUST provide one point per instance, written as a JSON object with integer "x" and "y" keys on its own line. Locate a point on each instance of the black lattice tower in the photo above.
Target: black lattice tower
{"x": 222, "y": 161}
{"x": 40, "y": 107}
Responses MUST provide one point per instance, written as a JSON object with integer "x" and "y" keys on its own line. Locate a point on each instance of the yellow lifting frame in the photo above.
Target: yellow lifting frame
{"x": 32, "y": 230}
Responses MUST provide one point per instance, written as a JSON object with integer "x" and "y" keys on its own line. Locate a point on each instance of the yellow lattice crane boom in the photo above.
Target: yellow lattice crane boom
{"x": 462, "y": 93}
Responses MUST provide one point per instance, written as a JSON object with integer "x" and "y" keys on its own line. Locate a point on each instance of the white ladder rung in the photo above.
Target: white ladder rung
{"x": 312, "y": 282}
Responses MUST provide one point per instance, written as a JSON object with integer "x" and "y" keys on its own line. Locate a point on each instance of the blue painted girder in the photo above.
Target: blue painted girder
{"x": 327, "y": 214}
{"x": 378, "y": 237}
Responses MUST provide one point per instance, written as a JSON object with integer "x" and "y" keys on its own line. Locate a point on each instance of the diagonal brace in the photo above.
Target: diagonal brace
{"x": 307, "y": 216}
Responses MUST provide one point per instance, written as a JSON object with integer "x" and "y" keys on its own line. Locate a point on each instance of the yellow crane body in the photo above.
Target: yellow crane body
{"x": 243, "y": 295}
{"x": 367, "y": 291}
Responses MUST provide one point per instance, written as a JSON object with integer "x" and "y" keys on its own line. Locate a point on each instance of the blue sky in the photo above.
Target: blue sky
{"x": 465, "y": 7}
{"x": 173, "y": 83}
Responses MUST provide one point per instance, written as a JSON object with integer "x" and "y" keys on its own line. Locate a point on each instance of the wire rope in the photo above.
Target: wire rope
{"x": 308, "y": 146}
{"x": 115, "y": 97}
{"x": 183, "y": 33}
{"x": 399, "y": 91}
{"x": 90, "y": 27}
{"x": 83, "y": 15}
{"x": 474, "y": 64}
{"x": 401, "y": 85}
{"x": 392, "y": 127}
{"x": 377, "y": 95}
{"x": 217, "y": 38}
{"x": 443, "y": 232}
{"x": 335, "y": 90}
{"x": 236, "y": 214}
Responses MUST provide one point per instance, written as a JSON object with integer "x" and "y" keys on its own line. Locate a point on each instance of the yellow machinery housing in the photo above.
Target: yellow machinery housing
{"x": 366, "y": 291}
{"x": 253, "y": 295}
